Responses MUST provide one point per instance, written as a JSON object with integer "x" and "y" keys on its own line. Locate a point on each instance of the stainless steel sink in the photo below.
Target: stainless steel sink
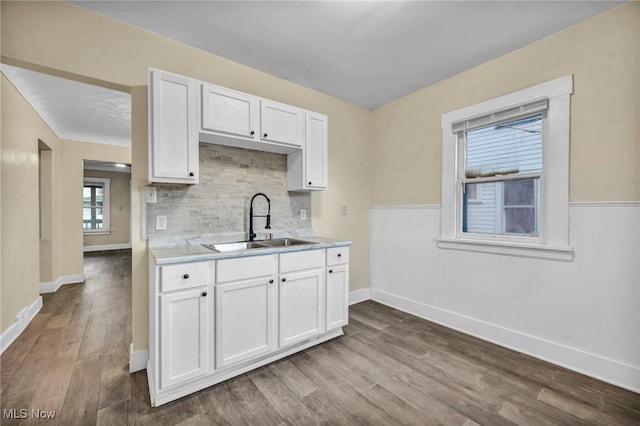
{"x": 286, "y": 242}
{"x": 252, "y": 245}
{"x": 237, "y": 246}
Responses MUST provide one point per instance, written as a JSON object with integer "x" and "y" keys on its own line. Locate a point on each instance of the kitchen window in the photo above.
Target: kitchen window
{"x": 95, "y": 205}
{"x": 506, "y": 174}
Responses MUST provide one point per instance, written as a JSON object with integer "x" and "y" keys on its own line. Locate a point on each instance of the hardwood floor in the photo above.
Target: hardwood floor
{"x": 390, "y": 368}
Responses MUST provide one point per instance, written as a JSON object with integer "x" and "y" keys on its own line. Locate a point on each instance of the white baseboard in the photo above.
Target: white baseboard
{"x": 137, "y": 359}
{"x": 358, "y": 296}
{"x": 21, "y": 322}
{"x": 52, "y": 287}
{"x": 104, "y": 247}
{"x": 601, "y": 368}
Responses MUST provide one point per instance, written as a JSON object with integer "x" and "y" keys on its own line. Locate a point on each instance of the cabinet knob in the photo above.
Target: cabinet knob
{"x": 204, "y": 293}
{"x": 192, "y": 174}
{"x": 264, "y": 136}
{"x": 270, "y": 281}
{"x": 284, "y": 279}
{"x": 339, "y": 254}
{"x": 309, "y": 182}
{"x": 252, "y": 133}
{"x": 331, "y": 271}
{"x": 185, "y": 276}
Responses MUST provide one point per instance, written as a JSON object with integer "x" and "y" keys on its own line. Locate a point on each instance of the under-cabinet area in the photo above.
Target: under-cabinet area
{"x": 214, "y": 316}
{"x": 184, "y": 112}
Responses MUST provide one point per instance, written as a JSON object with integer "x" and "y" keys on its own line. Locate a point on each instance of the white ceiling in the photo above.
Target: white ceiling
{"x": 75, "y": 111}
{"x": 367, "y": 53}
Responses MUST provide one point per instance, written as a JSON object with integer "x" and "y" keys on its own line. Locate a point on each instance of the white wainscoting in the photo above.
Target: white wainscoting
{"x": 583, "y": 314}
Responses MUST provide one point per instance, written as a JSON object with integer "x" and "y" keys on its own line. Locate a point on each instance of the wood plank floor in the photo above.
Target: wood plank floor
{"x": 390, "y": 368}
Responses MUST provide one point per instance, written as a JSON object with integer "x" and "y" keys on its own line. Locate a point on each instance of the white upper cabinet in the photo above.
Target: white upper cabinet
{"x": 230, "y": 112}
{"x": 184, "y": 112}
{"x": 281, "y": 123}
{"x": 173, "y": 135}
{"x": 307, "y": 169}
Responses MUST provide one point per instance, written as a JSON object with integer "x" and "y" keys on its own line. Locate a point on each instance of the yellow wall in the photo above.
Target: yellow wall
{"x": 62, "y": 38}
{"x": 20, "y": 247}
{"x": 120, "y": 206}
{"x": 602, "y": 54}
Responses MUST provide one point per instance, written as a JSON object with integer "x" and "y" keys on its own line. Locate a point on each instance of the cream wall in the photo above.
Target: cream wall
{"x": 602, "y": 54}
{"x": 120, "y": 207}
{"x": 61, "y": 38}
{"x": 20, "y": 247}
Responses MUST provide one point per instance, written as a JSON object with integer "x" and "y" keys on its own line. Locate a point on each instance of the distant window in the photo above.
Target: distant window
{"x": 95, "y": 205}
{"x": 505, "y": 174}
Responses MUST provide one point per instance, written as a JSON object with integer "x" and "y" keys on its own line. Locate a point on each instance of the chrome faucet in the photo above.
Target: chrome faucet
{"x": 252, "y": 235}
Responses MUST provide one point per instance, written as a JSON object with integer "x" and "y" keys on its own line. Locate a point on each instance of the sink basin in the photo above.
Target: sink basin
{"x": 251, "y": 245}
{"x": 237, "y": 246}
{"x": 286, "y": 242}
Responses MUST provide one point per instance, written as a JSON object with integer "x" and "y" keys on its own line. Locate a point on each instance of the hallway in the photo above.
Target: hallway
{"x": 73, "y": 358}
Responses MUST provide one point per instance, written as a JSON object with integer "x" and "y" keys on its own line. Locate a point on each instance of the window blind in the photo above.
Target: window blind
{"x": 537, "y": 106}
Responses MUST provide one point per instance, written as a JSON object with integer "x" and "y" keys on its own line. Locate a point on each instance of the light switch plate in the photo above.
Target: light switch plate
{"x": 161, "y": 223}
{"x": 344, "y": 210}
{"x": 303, "y": 214}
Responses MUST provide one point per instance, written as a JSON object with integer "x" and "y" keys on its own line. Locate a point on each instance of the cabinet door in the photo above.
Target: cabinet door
{"x": 245, "y": 320}
{"x": 337, "y": 296}
{"x": 315, "y": 152}
{"x": 173, "y": 138}
{"x": 301, "y": 306}
{"x": 229, "y": 112}
{"x": 184, "y": 335}
{"x": 282, "y": 123}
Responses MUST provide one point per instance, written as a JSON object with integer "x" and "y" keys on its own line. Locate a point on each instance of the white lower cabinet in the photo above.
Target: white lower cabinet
{"x": 210, "y": 321}
{"x": 185, "y": 330}
{"x": 337, "y": 296}
{"x": 337, "y": 287}
{"x": 301, "y": 307}
{"x": 245, "y": 320}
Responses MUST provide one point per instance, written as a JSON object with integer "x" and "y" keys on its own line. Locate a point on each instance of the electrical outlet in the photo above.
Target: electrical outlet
{"x": 150, "y": 194}
{"x": 344, "y": 210}
{"x": 161, "y": 223}
{"x": 303, "y": 214}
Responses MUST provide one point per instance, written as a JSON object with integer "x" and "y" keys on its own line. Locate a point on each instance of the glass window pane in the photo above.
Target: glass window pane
{"x": 520, "y": 220}
{"x": 508, "y": 207}
{"x": 86, "y": 196}
{"x": 512, "y": 147}
{"x": 519, "y": 192}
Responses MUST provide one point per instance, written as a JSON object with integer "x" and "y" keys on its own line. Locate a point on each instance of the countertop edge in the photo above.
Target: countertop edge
{"x": 196, "y": 253}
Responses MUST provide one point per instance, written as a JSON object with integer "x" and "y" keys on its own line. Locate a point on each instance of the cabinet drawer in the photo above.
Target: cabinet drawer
{"x": 301, "y": 260}
{"x": 337, "y": 256}
{"x": 243, "y": 268}
{"x": 184, "y": 276}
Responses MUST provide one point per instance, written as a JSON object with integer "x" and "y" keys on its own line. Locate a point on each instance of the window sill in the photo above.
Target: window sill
{"x": 102, "y": 232}
{"x": 537, "y": 251}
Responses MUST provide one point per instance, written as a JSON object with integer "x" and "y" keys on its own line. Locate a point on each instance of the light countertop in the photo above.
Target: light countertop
{"x": 195, "y": 252}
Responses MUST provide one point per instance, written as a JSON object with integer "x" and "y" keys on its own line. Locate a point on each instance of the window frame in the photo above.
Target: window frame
{"x": 553, "y": 232}
{"x": 106, "y": 205}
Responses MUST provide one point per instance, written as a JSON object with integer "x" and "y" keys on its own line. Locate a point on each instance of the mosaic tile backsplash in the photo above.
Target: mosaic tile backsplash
{"x": 217, "y": 209}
